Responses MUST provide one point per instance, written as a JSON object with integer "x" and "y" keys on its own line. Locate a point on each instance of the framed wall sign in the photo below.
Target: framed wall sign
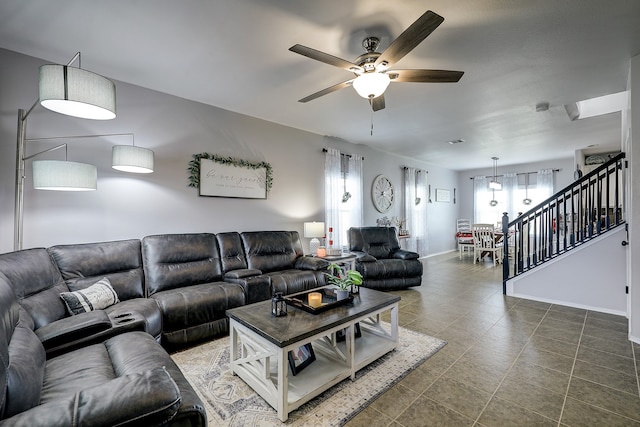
{"x": 443, "y": 195}
{"x": 220, "y": 176}
{"x": 217, "y": 179}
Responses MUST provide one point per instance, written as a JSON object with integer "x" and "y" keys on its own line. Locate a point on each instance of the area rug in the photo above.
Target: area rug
{"x": 231, "y": 403}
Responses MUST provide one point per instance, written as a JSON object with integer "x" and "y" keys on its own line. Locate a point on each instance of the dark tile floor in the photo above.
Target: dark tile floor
{"x": 508, "y": 361}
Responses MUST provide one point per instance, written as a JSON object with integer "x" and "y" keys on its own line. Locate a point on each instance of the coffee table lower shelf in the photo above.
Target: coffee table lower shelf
{"x": 264, "y": 365}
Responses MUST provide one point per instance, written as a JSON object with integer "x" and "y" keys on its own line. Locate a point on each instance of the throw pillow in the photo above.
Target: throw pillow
{"x": 96, "y": 297}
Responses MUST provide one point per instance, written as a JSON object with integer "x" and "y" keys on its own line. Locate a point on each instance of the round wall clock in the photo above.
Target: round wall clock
{"x": 382, "y": 193}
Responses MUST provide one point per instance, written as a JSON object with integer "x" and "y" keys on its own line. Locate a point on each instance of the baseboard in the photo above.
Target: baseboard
{"x": 568, "y": 304}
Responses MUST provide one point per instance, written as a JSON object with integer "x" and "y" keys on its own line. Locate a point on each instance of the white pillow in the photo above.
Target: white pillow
{"x": 96, "y": 297}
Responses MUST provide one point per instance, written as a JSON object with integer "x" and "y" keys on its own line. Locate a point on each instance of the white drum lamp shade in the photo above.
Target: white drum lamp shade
{"x": 129, "y": 158}
{"x": 314, "y": 230}
{"x": 371, "y": 85}
{"x": 61, "y": 175}
{"x": 77, "y": 92}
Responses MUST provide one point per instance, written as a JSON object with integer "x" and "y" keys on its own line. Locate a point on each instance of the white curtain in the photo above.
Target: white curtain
{"x": 510, "y": 188}
{"x": 352, "y": 208}
{"x": 415, "y": 209}
{"x": 343, "y": 195}
{"x": 481, "y": 197}
{"x": 409, "y": 205}
{"x": 420, "y": 217}
{"x": 544, "y": 184}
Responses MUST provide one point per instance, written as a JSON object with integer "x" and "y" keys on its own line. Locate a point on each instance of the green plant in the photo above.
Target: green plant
{"x": 343, "y": 279}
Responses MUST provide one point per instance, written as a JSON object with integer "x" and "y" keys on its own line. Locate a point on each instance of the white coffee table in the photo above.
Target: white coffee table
{"x": 259, "y": 341}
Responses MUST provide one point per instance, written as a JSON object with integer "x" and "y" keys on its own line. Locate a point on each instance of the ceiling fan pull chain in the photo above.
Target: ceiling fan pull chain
{"x": 372, "y": 119}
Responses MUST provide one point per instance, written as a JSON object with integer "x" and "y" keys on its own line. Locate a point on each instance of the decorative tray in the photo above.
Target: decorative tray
{"x": 329, "y": 300}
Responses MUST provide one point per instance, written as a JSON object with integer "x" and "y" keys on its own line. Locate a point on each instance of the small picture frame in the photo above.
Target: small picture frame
{"x": 300, "y": 358}
{"x": 443, "y": 195}
{"x": 341, "y": 334}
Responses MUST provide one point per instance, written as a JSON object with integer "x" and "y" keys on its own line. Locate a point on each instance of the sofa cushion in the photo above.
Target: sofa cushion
{"x": 291, "y": 281}
{"x": 26, "y": 371}
{"x": 390, "y": 268}
{"x": 379, "y": 242}
{"x": 231, "y": 251}
{"x": 36, "y": 283}
{"x": 179, "y": 260}
{"x": 198, "y": 304}
{"x": 22, "y": 358}
{"x": 96, "y": 297}
{"x": 119, "y": 261}
{"x": 271, "y": 250}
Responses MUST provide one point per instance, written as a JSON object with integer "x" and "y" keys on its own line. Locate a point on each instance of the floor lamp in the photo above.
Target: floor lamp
{"x": 74, "y": 92}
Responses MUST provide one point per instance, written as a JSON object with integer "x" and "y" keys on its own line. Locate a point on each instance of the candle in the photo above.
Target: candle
{"x": 315, "y": 299}
{"x": 321, "y": 252}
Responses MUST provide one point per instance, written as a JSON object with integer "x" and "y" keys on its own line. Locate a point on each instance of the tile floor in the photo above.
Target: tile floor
{"x": 508, "y": 361}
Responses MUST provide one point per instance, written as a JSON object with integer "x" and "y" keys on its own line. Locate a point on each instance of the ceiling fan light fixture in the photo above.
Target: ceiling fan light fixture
{"x": 371, "y": 85}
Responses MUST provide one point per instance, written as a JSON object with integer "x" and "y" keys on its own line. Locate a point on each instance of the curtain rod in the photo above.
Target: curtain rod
{"x": 521, "y": 173}
{"x": 417, "y": 170}
{"x": 324, "y": 150}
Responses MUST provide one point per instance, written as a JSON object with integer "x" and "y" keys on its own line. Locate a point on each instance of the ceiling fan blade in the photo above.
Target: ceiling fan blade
{"x": 410, "y": 38}
{"x": 327, "y": 91}
{"x": 377, "y": 103}
{"x": 425, "y": 76}
{"x": 326, "y": 58}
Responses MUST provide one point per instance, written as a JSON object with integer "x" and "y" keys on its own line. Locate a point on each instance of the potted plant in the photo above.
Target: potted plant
{"x": 343, "y": 280}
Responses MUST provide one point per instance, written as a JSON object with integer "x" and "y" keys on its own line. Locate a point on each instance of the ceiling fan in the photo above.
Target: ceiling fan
{"x": 372, "y": 69}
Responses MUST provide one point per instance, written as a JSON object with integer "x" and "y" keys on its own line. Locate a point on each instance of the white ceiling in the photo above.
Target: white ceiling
{"x": 234, "y": 54}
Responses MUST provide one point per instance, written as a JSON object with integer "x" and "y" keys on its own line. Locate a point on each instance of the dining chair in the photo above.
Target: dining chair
{"x": 487, "y": 241}
{"x": 464, "y": 236}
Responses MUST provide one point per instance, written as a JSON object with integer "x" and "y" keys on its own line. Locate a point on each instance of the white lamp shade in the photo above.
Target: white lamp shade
{"x": 371, "y": 85}
{"x": 314, "y": 229}
{"x": 61, "y": 175}
{"x": 129, "y": 158}
{"x": 77, "y": 92}
{"x": 495, "y": 185}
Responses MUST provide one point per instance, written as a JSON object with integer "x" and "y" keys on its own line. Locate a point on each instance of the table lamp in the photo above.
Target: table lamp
{"x": 314, "y": 230}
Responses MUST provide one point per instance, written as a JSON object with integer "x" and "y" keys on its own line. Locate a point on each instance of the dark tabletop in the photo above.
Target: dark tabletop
{"x": 298, "y": 324}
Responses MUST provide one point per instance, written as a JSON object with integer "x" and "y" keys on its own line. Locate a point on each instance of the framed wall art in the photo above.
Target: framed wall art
{"x": 443, "y": 195}
{"x": 228, "y": 177}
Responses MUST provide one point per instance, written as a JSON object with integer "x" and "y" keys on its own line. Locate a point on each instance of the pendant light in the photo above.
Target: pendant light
{"x": 494, "y": 184}
{"x": 493, "y": 202}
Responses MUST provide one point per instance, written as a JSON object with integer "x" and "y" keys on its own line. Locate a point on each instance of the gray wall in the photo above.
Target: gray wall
{"x": 132, "y": 206}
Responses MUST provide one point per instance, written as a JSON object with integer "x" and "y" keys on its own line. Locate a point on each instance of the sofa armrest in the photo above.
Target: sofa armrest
{"x": 73, "y": 328}
{"x": 256, "y": 288}
{"x": 363, "y": 256}
{"x": 311, "y": 263}
{"x": 242, "y": 273}
{"x": 147, "y": 398}
{"x": 404, "y": 254}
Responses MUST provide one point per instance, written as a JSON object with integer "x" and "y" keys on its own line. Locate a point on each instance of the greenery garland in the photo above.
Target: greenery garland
{"x": 194, "y": 167}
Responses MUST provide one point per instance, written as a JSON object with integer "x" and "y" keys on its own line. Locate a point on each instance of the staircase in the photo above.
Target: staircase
{"x": 575, "y": 215}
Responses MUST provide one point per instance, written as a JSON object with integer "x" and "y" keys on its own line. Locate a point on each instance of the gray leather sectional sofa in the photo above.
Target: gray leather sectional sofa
{"x": 97, "y": 367}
